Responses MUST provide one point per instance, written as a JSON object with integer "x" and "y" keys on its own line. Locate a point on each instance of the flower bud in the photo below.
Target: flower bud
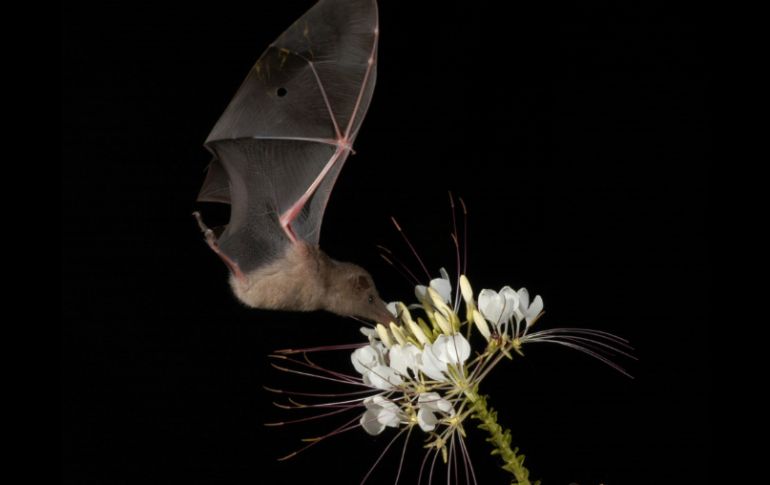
{"x": 384, "y": 335}
{"x": 481, "y": 324}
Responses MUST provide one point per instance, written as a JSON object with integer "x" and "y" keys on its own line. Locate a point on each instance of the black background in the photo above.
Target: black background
{"x": 576, "y": 133}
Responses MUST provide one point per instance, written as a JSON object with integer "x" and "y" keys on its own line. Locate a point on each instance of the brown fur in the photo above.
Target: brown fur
{"x": 306, "y": 279}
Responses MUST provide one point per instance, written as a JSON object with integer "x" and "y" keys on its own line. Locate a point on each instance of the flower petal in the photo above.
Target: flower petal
{"x": 452, "y": 349}
{"x": 511, "y": 303}
{"x": 403, "y": 357}
{"x": 392, "y": 307}
{"x": 443, "y": 287}
{"x": 534, "y": 310}
{"x": 523, "y": 299}
{"x": 444, "y": 273}
{"x": 370, "y": 423}
{"x": 491, "y": 305}
{"x": 388, "y": 412}
{"x": 434, "y": 402}
{"x": 384, "y": 377}
{"x": 365, "y": 359}
{"x": 426, "y": 419}
{"x": 429, "y": 403}
{"x": 428, "y": 398}
{"x": 431, "y": 366}
{"x": 380, "y": 412}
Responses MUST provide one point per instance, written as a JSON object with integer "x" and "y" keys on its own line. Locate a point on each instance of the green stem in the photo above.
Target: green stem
{"x": 500, "y": 438}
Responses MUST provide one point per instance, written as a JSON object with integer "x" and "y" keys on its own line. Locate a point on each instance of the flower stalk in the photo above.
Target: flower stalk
{"x": 499, "y": 438}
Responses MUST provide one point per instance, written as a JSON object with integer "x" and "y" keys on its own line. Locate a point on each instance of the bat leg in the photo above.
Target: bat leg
{"x": 211, "y": 240}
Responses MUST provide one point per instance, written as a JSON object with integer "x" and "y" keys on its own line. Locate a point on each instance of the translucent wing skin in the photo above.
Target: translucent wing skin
{"x": 282, "y": 141}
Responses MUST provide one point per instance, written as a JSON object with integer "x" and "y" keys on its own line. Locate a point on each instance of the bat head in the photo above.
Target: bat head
{"x": 353, "y": 293}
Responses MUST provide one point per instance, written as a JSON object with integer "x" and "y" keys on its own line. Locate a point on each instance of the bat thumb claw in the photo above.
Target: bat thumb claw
{"x": 204, "y": 228}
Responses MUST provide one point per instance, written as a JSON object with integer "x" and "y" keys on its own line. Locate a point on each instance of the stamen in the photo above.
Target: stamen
{"x": 403, "y": 269}
{"x": 368, "y": 474}
{"x": 409, "y": 243}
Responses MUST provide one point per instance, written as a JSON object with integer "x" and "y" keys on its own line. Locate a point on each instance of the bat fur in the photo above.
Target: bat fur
{"x": 306, "y": 279}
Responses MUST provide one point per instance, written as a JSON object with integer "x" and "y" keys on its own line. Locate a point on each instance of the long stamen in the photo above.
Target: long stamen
{"x": 604, "y": 340}
{"x": 341, "y": 429}
{"x": 432, "y": 465}
{"x": 465, "y": 236}
{"x": 310, "y": 365}
{"x": 452, "y": 464}
{"x": 402, "y": 268}
{"x": 317, "y": 376}
{"x": 347, "y": 404}
{"x": 593, "y": 344}
{"x": 411, "y": 247}
{"x": 316, "y": 394}
{"x": 308, "y": 418}
{"x": 585, "y": 350}
{"x": 468, "y": 464}
{"x": 455, "y": 240}
{"x": 403, "y": 454}
{"x": 590, "y": 331}
{"x": 324, "y": 348}
{"x": 382, "y": 455}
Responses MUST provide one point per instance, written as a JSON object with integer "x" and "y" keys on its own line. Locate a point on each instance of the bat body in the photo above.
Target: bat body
{"x": 278, "y": 149}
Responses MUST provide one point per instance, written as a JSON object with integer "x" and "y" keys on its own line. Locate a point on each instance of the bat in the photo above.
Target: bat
{"x": 277, "y": 150}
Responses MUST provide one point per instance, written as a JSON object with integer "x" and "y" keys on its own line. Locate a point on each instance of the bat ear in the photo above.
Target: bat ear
{"x": 362, "y": 283}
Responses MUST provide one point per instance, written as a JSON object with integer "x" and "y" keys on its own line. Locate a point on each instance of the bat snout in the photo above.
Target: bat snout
{"x": 380, "y": 313}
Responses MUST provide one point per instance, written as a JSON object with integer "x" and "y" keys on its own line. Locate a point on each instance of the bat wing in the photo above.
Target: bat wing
{"x": 283, "y": 139}
{"x": 216, "y": 186}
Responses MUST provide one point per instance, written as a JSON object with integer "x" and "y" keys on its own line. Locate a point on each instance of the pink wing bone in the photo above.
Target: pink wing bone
{"x": 291, "y": 213}
{"x": 343, "y": 142}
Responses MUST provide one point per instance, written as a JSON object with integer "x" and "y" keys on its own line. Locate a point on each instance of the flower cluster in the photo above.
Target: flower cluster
{"x": 420, "y": 371}
{"x": 421, "y": 365}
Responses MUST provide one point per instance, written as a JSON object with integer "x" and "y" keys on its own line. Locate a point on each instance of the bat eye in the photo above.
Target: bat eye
{"x": 371, "y": 299}
{"x": 281, "y": 92}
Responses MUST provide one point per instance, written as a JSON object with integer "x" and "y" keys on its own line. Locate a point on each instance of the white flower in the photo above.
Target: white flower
{"x": 442, "y": 286}
{"x": 369, "y": 361}
{"x": 452, "y": 349}
{"x": 367, "y": 357}
{"x": 380, "y": 412}
{"x": 498, "y": 308}
{"x": 403, "y": 357}
{"x": 431, "y": 365}
{"x": 383, "y": 377}
{"x": 525, "y": 311}
{"x": 446, "y": 350}
{"x": 429, "y": 403}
